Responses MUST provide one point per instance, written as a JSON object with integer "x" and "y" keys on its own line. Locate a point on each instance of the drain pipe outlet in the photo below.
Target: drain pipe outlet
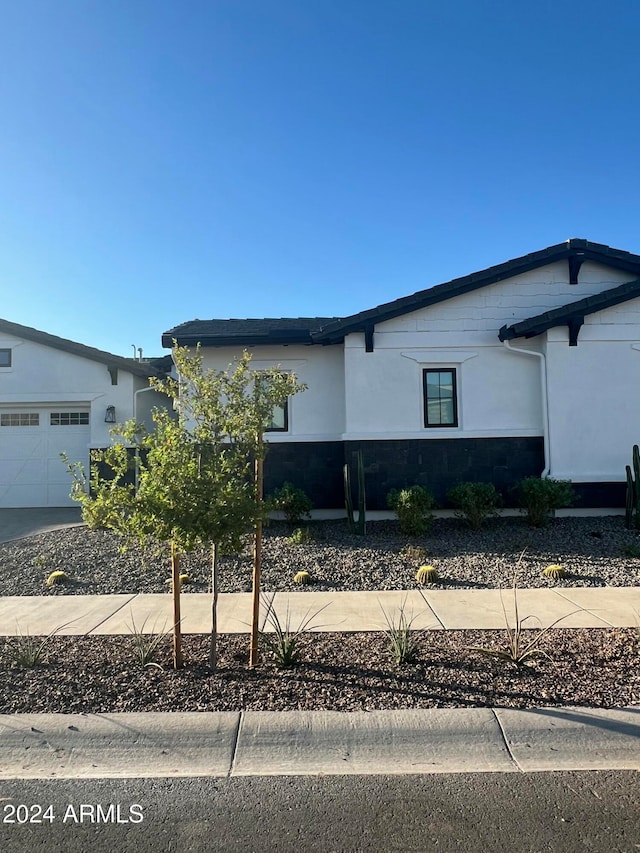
{"x": 545, "y": 407}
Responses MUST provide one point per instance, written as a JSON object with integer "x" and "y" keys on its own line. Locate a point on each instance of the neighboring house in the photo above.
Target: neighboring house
{"x": 57, "y": 395}
{"x": 531, "y": 367}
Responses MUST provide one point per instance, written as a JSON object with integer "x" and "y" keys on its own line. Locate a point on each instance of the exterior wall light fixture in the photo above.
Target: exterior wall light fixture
{"x": 110, "y": 415}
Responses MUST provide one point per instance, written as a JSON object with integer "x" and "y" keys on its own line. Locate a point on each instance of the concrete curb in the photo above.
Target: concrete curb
{"x": 260, "y": 743}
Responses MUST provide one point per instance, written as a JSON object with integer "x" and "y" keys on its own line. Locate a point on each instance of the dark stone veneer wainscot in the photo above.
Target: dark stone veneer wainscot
{"x": 437, "y": 463}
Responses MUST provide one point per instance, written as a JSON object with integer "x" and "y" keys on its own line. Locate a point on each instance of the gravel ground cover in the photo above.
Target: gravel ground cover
{"x": 595, "y": 551}
{"x": 344, "y": 672}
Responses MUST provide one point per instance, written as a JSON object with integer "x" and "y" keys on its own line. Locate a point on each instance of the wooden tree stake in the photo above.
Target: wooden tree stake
{"x": 175, "y": 585}
{"x": 213, "y": 643}
{"x": 257, "y": 559}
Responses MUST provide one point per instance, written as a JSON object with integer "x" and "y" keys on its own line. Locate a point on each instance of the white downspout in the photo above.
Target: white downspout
{"x": 135, "y": 417}
{"x": 135, "y": 400}
{"x": 545, "y": 404}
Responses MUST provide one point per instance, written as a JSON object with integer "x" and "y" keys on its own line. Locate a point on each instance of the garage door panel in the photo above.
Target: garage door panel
{"x": 31, "y": 470}
{"x": 25, "y": 471}
{"x": 18, "y": 446}
{"x": 58, "y": 494}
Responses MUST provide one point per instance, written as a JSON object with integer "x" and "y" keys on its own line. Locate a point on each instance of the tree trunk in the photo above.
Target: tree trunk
{"x": 175, "y": 586}
{"x": 213, "y": 642}
{"x": 257, "y": 559}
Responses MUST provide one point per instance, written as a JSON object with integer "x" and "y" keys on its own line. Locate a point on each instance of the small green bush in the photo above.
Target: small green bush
{"x": 541, "y": 497}
{"x": 300, "y": 536}
{"x": 412, "y": 506}
{"x": 475, "y": 501}
{"x": 293, "y": 502}
{"x": 414, "y": 553}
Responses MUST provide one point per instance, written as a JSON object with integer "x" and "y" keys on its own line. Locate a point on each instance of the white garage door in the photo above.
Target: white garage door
{"x": 31, "y": 440}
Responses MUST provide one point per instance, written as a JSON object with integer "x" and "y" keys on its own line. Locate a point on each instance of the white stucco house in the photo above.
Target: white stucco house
{"x": 531, "y": 367}
{"x": 58, "y": 395}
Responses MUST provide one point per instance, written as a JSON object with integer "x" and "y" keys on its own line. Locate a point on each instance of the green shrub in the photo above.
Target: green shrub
{"x": 300, "y": 536}
{"x": 414, "y": 553}
{"x": 541, "y": 497}
{"x": 293, "y": 502}
{"x": 412, "y": 506}
{"x": 475, "y": 501}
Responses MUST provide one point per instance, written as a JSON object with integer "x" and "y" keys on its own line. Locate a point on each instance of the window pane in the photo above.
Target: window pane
{"x": 278, "y": 419}
{"x": 5, "y": 358}
{"x": 69, "y": 418}
{"x": 433, "y": 412}
{"x": 446, "y": 412}
{"x": 19, "y": 419}
{"x": 433, "y": 385}
{"x": 446, "y": 384}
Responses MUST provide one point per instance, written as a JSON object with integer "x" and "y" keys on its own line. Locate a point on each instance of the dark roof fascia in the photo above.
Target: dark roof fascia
{"x": 571, "y": 312}
{"x": 236, "y": 340}
{"x": 583, "y": 249}
{"x": 109, "y": 359}
{"x": 250, "y": 332}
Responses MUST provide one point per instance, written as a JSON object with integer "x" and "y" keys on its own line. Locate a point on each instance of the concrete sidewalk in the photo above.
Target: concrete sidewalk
{"x": 261, "y": 743}
{"x": 576, "y": 607}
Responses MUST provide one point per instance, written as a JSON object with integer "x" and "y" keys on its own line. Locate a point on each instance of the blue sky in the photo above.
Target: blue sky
{"x": 162, "y": 161}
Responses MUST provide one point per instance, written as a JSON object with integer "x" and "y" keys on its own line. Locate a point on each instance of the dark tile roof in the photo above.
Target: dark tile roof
{"x": 270, "y": 330}
{"x": 28, "y": 333}
{"x": 572, "y": 311}
{"x": 574, "y": 248}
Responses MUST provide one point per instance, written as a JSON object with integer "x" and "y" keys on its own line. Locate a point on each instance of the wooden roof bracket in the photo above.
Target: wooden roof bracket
{"x": 368, "y": 337}
{"x": 574, "y": 324}
{"x": 575, "y": 262}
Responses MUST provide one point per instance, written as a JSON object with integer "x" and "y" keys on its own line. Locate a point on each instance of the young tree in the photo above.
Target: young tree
{"x": 194, "y": 479}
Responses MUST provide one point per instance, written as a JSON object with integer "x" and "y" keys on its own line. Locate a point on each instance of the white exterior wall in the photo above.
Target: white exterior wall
{"x": 41, "y": 374}
{"x": 499, "y": 392}
{"x": 316, "y": 414}
{"x": 594, "y": 396}
{"x": 510, "y": 301}
{"x": 146, "y": 400}
{"x": 43, "y": 380}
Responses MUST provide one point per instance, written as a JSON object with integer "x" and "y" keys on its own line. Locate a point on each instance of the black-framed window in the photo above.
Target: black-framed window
{"x": 279, "y": 419}
{"x": 5, "y": 358}
{"x": 440, "y": 397}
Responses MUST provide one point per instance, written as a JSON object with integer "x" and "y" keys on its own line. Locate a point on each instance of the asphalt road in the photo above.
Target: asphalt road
{"x": 577, "y": 812}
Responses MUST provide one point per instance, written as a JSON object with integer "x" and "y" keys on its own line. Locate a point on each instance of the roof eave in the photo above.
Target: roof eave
{"x": 457, "y": 287}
